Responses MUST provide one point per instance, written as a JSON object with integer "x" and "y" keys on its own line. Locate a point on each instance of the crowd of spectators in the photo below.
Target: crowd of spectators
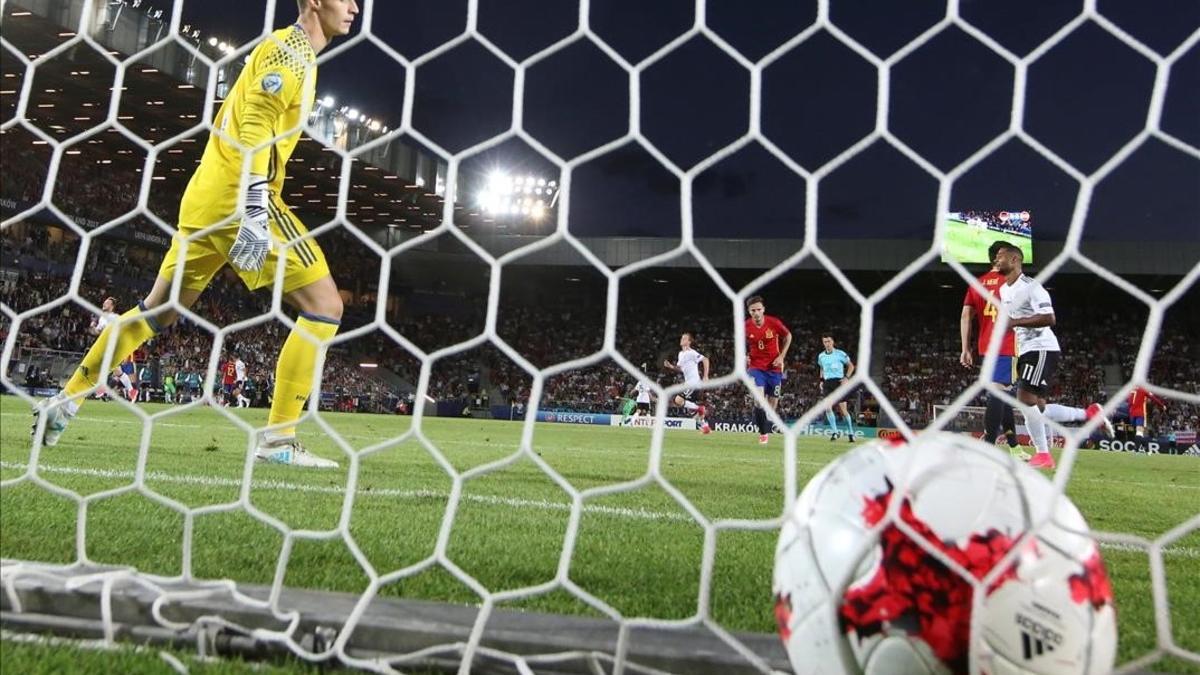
{"x": 86, "y": 189}
{"x": 915, "y": 350}
{"x": 36, "y": 270}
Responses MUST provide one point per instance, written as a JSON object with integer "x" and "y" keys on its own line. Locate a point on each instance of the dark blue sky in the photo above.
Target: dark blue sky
{"x": 1085, "y": 99}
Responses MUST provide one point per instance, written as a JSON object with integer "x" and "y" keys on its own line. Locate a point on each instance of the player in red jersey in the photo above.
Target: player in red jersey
{"x": 984, "y": 311}
{"x": 229, "y": 377}
{"x": 764, "y": 358}
{"x": 1137, "y": 413}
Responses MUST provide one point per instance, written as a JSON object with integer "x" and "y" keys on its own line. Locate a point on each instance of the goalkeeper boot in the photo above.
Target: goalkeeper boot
{"x": 1095, "y": 409}
{"x": 287, "y": 450}
{"x": 58, "y": 411}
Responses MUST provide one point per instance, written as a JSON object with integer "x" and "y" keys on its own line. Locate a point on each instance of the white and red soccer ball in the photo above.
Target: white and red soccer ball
{"x": 856, "y": 593}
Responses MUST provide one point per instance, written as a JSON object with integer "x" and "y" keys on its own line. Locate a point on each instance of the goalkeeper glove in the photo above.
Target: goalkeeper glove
{"x": 253, "y": 243}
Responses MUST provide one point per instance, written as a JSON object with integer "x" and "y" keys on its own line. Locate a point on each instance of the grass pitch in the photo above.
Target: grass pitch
{"x": 968, "y": 244}
{"x": 637, "y": 551}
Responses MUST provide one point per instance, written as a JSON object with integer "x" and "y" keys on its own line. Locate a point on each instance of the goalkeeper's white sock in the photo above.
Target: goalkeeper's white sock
{"x": 1062, "y": 413}
{"x": 689, "y": 406}
{"x": 1036, "y": 421}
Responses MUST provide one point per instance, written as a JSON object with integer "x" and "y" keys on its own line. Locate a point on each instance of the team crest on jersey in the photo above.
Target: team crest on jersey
{"x": 272, "y": 83}
{"x": 769, "y": 334}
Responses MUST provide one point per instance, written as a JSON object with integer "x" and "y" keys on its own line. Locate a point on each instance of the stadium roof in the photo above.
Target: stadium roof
{"x": 71, "y": 93}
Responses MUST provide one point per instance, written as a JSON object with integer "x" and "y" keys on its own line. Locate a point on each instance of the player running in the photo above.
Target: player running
{"x": 836, "y": 367}
{"x": 689, "y": 362}
{"x": 765, "y": 358}
{"x": 239, "y": 368}
{"x": 984, "y": 310}
{"x": 1031, "y": 315}
{"x": 124, "y": 373}
{"x": 238, "y": 219}
{"x": 642, "y": 394}
{"x": 1138, "y": 398}
{"x": 108, "y": 314}
{"x": 228, "y": 380}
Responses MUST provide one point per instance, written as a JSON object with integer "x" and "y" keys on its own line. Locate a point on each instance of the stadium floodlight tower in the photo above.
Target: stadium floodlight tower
{"x": 513, "y": 195}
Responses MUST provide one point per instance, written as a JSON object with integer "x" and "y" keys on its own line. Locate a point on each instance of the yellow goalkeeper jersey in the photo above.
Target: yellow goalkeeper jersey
{"x": 272, "y": 97}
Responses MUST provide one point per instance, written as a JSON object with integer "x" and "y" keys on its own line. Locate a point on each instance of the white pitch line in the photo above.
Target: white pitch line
{"x": 491, "y": 500}
{"x": 668, "y": 454}
{"x": 1173, "y": 551}
{"x": 103, "y": 420}
{"x": 268, "y": 484}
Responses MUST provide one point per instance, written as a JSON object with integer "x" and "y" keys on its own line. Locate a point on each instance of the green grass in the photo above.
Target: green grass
{"x": 970, "y": 244}
{"x": 637, "y": 551}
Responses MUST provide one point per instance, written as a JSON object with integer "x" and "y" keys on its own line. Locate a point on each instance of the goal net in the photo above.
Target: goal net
{"x": 969, "y": 419}
{"x": 342, "y": 582}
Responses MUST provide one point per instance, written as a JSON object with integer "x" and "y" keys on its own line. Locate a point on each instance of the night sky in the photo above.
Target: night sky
{"x": 1086, "y": 98}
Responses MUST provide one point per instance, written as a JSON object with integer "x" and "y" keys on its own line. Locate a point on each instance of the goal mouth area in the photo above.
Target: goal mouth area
{"x": 403, "y": 633}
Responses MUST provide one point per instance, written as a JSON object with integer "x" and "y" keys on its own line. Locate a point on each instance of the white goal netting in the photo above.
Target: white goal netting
{"x": 168, "y": 591}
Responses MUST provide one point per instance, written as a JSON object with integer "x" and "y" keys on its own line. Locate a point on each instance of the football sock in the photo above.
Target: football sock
{"x": 689, "y": 406}
{"x": 993, "y": 416}
{"x": 294, "y": 372}
{"x": 850, "y": 424}
{"x": 760, "y": 416}
{"x": 1037, "y": 427}
{"x": 1009, "y": 425}
{"x": 829, "y": 417}
{"x": 130, "y": 336}
{"x": 1062, "y": 413}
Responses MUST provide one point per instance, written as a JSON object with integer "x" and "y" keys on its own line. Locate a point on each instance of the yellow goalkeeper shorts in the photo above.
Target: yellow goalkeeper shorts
{"x": 208, "y": 253}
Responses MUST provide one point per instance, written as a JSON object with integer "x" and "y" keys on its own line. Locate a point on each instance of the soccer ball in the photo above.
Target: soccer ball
{"x": 855, "y": 593}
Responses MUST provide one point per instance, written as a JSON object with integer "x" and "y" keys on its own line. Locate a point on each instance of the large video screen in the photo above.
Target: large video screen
{"x": 969, "y": 234}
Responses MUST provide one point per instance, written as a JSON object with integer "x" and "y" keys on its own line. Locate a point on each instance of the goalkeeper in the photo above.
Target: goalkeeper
{"x": 265, "y": 109}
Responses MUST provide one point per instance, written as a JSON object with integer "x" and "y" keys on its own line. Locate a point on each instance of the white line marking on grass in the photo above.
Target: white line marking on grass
{"x": 668, "y": 453}
{"x": 105, "y": 420}
{"x": 1173, "y": 551}
{"x": 268, "y": 484}
{"x": 1114, "y": 481}
{"x": 422, "y": 494}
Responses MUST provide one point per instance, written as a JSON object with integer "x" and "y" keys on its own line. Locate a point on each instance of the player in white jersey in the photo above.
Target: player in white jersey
{"x": 1031, "y": 315}
{"x": 690, "y": 363}
{"x": 239, "y": 367}
{"x": 108, "y": 314}
{"x": 239, "y": 395}
{"x": 643, "y": 393}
